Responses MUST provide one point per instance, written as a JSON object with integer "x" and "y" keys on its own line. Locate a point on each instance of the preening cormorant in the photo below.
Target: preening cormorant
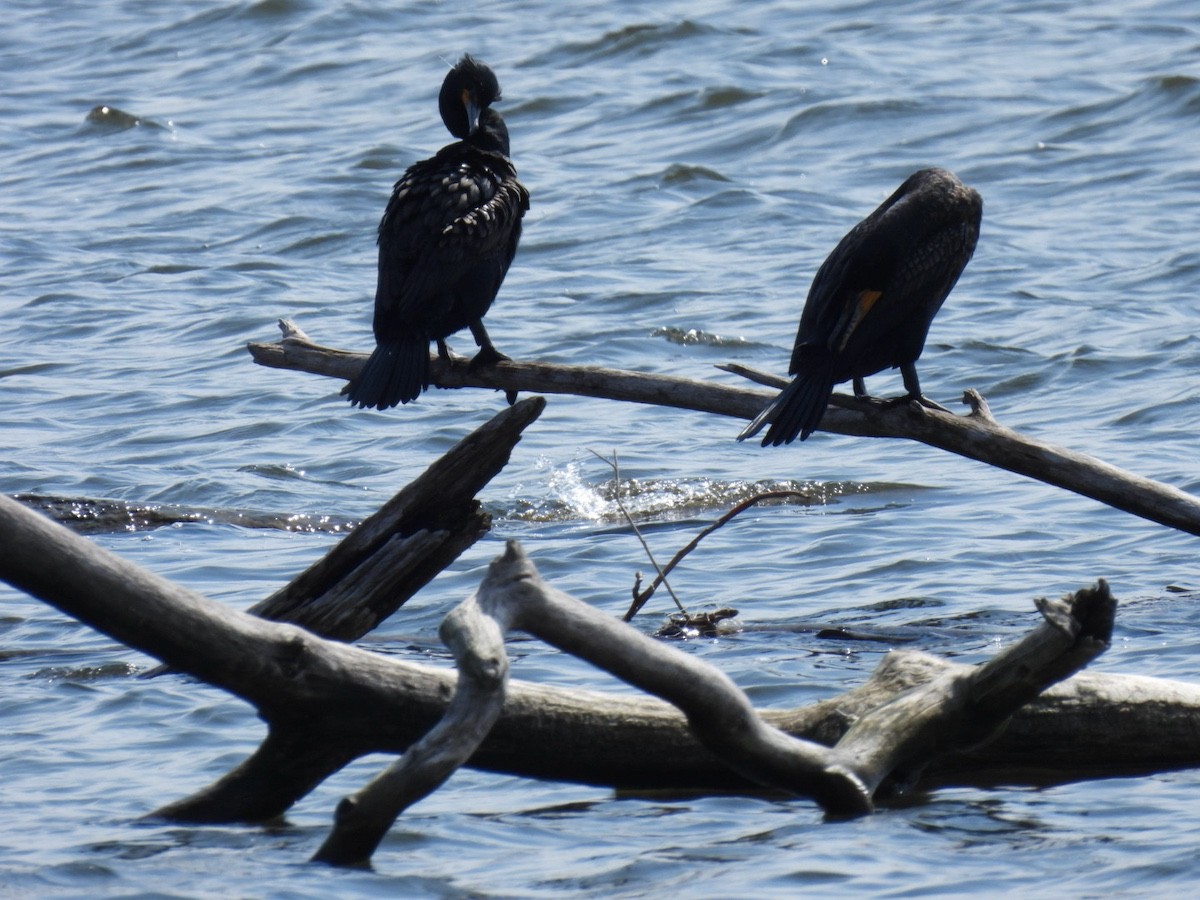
{"x": 874, "y": 297}
{"x": 445, "y": 243}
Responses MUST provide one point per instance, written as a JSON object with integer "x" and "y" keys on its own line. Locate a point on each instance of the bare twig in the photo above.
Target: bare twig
{"x": 639, "y": 599}
{"x": 662, "y": 576}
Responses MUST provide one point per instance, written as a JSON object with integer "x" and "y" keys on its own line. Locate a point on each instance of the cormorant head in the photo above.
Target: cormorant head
{"x": 470, "y": 87}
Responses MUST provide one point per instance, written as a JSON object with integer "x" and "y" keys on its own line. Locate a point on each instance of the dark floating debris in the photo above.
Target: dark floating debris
{"x": 881, "y": 636}
{"x": 89, "y": 516}
{"x": 677, "y": 173}
{"x": 693, "y": 625}
{"x": 117, "y": 119}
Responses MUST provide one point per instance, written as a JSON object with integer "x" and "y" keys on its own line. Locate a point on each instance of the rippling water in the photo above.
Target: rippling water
{"x": 690, "y": 165}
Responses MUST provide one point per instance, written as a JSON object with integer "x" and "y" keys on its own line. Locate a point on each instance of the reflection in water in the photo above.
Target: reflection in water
{"x": 89, "y": 516}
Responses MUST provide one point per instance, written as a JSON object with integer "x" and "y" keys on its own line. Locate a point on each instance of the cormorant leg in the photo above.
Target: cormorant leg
{"x": 912, "y": 384}
{"x": 487, "y": 354}
{"x": 909, "y": 372}
{"x": 860, "y": 387}
{"x": 443, "y": 351}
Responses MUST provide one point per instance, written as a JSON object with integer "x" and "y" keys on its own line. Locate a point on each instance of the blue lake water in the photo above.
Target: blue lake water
{"x": 690, "y": 165}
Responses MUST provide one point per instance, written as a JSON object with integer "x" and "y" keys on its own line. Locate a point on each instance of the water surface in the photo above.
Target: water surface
{"x": 690, "y": 165}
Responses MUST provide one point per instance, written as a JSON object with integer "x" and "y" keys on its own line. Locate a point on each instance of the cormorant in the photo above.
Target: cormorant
{"x": 874, "y": 297}
{"x": 445, "y": 243}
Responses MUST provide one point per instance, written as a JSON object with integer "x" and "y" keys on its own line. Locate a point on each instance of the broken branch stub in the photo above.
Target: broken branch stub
{"x": 965, "y": 708}
{"x": 395, "y": 552}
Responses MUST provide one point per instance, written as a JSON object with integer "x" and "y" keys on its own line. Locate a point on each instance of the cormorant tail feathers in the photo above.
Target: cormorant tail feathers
{"x": 396, "y": 372}
{"x": 798, "y": 409}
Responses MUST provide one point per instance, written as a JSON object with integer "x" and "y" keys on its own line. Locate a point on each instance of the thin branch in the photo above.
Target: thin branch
{"x": 662, "y": 576}
{"x": 975, "y": 435}
{"x": 639, "y": 599}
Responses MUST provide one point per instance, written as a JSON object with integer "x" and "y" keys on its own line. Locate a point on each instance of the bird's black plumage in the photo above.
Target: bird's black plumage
{"x": 874, "y": 297}
{"x": 445, "y": 243}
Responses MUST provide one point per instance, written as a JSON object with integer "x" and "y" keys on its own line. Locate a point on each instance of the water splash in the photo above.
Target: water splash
{"x": 569, "y": 496}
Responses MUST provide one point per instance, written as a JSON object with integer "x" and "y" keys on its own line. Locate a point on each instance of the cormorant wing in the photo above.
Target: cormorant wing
{"x": 843, "y": 292}
{"x": 458, "y": 208}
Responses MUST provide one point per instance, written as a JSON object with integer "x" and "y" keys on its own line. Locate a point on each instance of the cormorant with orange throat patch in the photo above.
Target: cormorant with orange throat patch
{"x": 873, "y": 299}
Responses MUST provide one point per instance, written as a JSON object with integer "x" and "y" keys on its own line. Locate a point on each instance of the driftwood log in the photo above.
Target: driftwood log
{"x": 326, "y": 703}
{"x": 954, "y": 711}
{"x": 1090, "y": 725}
{"x": 976, "y": 435}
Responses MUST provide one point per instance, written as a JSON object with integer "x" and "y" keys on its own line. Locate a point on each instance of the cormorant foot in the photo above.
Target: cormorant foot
{"x": 919, "y": 398}
{"x": 488, "y": 356}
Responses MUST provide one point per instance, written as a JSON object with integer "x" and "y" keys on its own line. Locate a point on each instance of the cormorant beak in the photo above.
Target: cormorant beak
{"x": 473, "y": 110}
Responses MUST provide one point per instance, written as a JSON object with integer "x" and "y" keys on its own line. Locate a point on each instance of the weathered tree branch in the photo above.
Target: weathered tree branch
{"x": 961, "y": 709}
{"x": 958, "y": 710}
{"x": 474, "y": 631}
{"x": 976, "y": 435}
{"x": 718, "y": 713}
{"x": 392, "y": 554}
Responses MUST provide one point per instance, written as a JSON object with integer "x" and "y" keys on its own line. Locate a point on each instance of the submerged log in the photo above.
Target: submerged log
{"x": 976, "y": 435}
